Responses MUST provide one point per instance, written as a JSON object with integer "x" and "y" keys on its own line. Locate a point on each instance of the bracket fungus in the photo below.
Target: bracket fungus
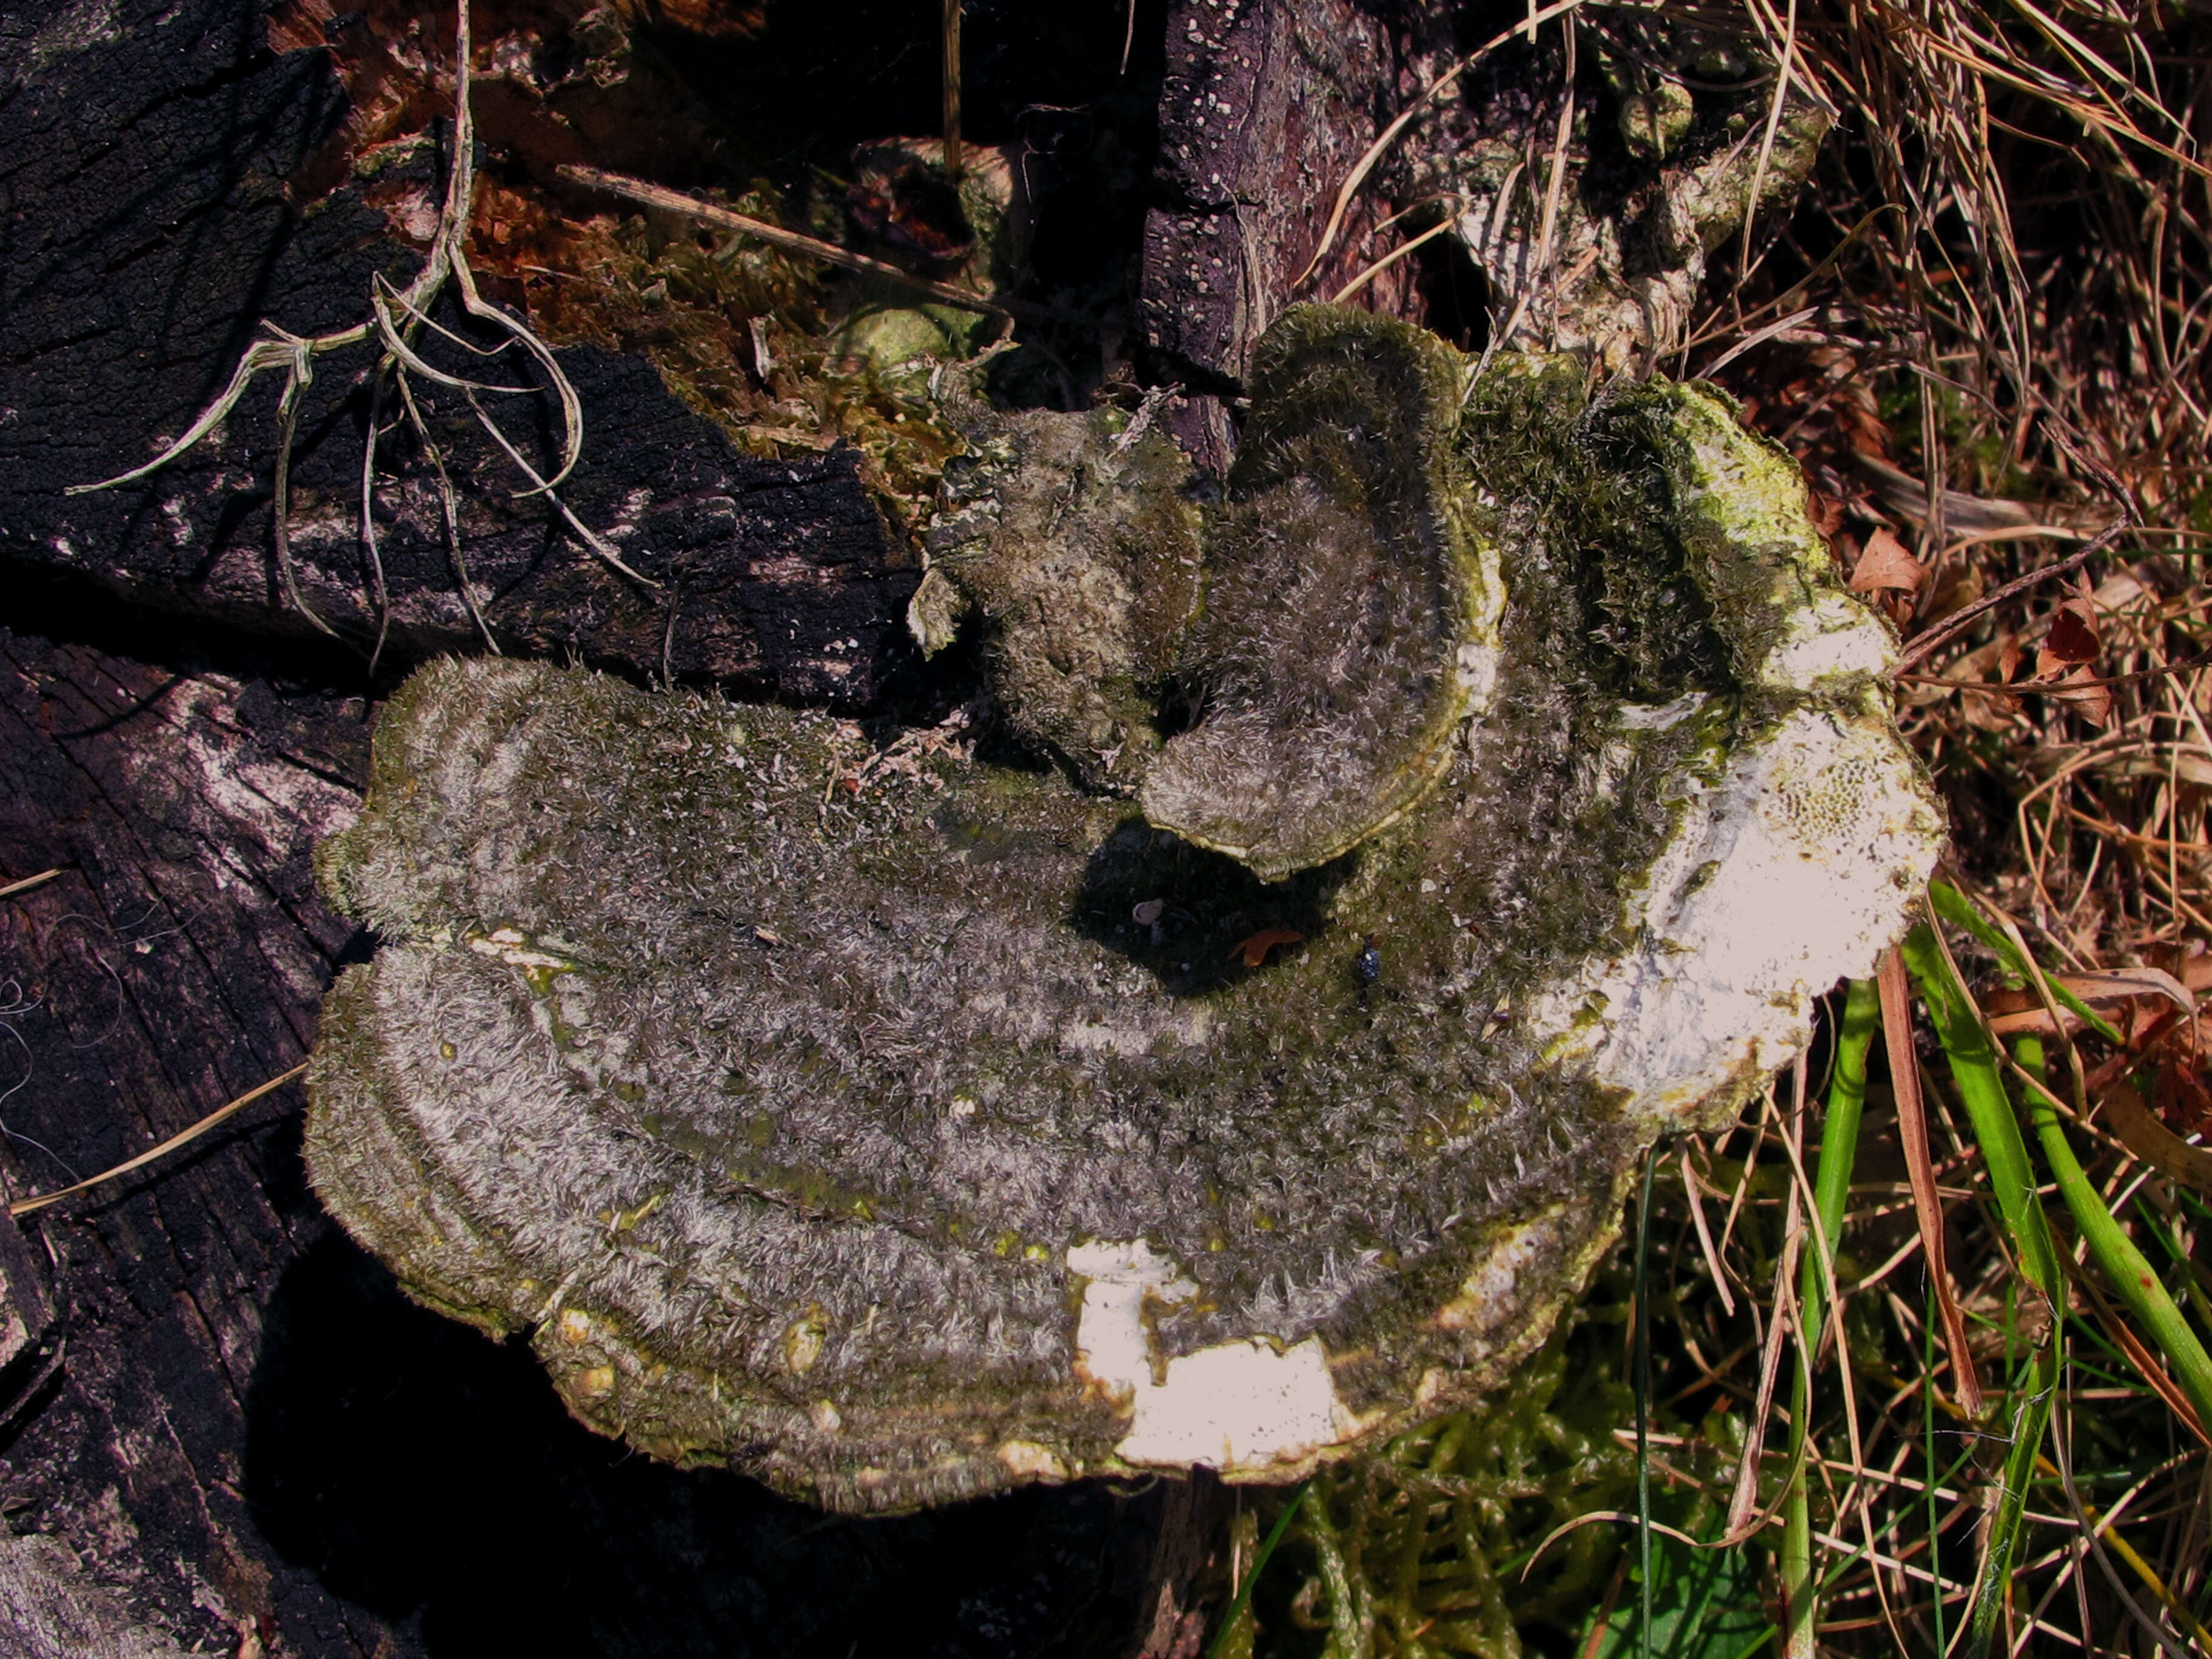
{"x": 902, "y": 1145}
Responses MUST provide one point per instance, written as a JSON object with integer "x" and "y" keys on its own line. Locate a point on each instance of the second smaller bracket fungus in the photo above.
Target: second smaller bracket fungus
{"x": 1351, "y": 607}
{"x": 1340, "y": 621}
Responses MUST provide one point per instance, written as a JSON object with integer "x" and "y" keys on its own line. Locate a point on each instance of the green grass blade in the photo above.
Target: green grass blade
{"x": 1840, "y": 1128}
{"x": 2124, "y": 1264}
{"x": 1975, "y": 1073}
{"x": 1220, "y": 1647}
{"x": 1974, "y": 1069}
{"x": 1831, "y": 1185}
{"x": 2031, "y": 1415}
{"x": 1959, "y": 910}
{"x": 2109, "y": 1246}
{"x": 1643, "y": 1336}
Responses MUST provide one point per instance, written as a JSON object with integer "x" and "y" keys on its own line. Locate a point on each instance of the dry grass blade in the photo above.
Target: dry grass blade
{"x": 379, "y": 592}
{"x": 448, "y": 512}
{"x": 396, "y": 344}
{"x": 2140, "y": 1130}
{"x": 1745, "y": 1518}
{"x": 792, "y": 241}
{"x": 296, "y": 381}
{"x": 279, "y": 353}
{"x": 951, "y": 84}
{"x": 2146, "y": 1363}
{"x": 2116, "y": 988}
{"x": 1927, "y": 1206}
{"x": 25, "y": 1205}
{"x": 1543, "y": 276}
{"x": 1784, "y": 76}
{"x": 29, "y": 882}
{"x": 447, "y": 260}
{"x": 1387, "y": 261}
{"x": 1692, "y": 1191}
{"x": 1589, "y": 1517}
{"x": 1758, "y": 337}
{"x": 590, "y": 538}
{"x": 572, "y": 406}
{"x": 2056, "y": 688}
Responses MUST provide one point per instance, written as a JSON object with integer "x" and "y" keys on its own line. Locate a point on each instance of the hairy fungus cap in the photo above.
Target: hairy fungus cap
{"x": 1075, "y": 538}
{"x": 1332, "y": 621}
{"x": 1351, "y": 606}
{"x": 901, "y": 1146}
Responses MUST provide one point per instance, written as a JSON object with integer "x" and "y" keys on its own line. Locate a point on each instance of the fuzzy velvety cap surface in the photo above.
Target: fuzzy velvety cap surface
{"x": 1076, "y": 539}
{"x": 1351, "y": 606}
{"x": 1330, "y": 623}
{"x": 901, "y": 1146}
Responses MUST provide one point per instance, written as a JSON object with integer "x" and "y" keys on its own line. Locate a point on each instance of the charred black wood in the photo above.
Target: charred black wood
{"x": 151, "y": 234}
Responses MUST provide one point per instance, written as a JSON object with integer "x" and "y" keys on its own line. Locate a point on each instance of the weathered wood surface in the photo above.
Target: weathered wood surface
{"x": 152, "y": 152}
{"x": 1266, "y": 108}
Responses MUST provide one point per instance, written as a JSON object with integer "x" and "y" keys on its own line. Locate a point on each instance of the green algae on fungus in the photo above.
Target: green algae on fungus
{"x": 906, "y": 1145}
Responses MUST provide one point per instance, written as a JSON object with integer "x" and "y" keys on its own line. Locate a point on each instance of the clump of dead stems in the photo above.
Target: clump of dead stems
{"x": 397, "y": 320}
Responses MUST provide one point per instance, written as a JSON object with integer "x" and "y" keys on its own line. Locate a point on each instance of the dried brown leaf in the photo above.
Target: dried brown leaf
{"x": 2072, "y": 641}
{"x": 2090, "y": 698}
{"x": 1255, "y": 950}
{"x": 1886, "y": 565}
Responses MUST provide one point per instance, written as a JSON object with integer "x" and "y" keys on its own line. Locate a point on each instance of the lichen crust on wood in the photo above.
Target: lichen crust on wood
{"x": 907, "y": 1141}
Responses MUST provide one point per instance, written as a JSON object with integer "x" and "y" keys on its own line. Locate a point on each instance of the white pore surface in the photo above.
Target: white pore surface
{"x": 1237, "y": 1406}
{"x": 1787, "y": 873}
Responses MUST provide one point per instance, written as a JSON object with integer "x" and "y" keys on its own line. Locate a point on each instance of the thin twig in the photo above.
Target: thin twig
{"x": 2013, "y": 687}
{"x": 1944, "y": 632}
{"x": 792, "y": 241}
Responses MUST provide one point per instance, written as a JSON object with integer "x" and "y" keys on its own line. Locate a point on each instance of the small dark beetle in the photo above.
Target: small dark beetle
{"x": 1367, "y": 967}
